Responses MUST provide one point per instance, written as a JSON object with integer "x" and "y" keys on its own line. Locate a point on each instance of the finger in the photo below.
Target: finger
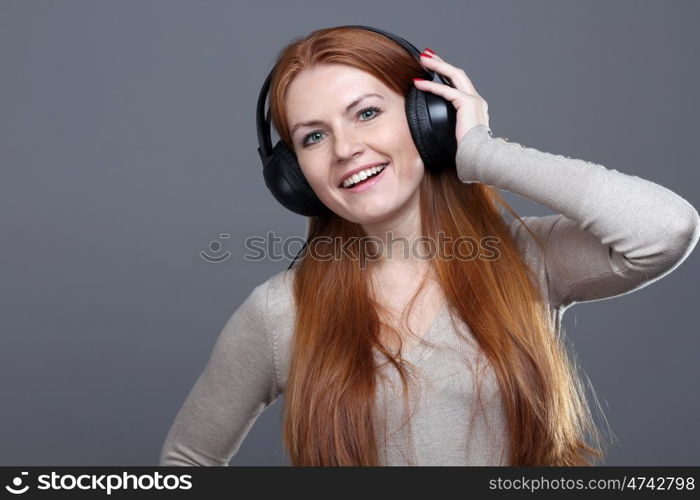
{"x": 457, "y": 75}
{"x": 433, "y": 53}
{"x": 449, "y": 93}
{"x": 445, "y": 77}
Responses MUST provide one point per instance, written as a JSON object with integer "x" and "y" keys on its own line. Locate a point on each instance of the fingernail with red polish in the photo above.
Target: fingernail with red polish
{"x": 430, "y": 50}
{"x": 426, "y": 55}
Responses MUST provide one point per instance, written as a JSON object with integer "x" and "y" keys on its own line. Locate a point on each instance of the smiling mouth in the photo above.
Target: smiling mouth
{"x": 360, "y": 181}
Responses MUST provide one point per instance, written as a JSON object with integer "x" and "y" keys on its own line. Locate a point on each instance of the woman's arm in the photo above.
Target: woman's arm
{"x": 238, "y": 383}
{"x": 615, "y": 232}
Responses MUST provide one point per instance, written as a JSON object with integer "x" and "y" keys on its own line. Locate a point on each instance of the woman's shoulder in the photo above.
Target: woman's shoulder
{"x": 273, "y": 299}
{"x": 269, "y": 301}
{"x": 279, "y": 287}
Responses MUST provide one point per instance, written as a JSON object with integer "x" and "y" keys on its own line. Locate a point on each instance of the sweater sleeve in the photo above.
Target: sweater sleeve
{"x": 237, "y": 384}
{"x": 613, "y": 232}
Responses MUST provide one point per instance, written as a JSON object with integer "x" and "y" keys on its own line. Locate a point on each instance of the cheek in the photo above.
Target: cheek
{"x": 318, "y": 180}
{"x": 418, "y": 164}
{"x": 311, "y": 172}
{"x": 411, "y": 157}
{"x": 415, "y": 168}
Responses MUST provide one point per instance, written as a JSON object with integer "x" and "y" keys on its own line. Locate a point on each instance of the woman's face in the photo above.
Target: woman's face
{"x": 343, "y": 139}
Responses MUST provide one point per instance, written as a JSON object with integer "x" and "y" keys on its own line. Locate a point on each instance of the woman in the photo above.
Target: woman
{"x": 454, "y": 359}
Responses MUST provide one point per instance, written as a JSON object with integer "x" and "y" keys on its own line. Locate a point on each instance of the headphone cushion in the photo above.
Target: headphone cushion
{"x": 422, "y": 129}
{"x": 286, "y": 181}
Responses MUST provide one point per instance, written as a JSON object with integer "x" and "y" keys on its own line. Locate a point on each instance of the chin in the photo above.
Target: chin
{"x": 374, "y": 209}
{"x": 371, "y": 215}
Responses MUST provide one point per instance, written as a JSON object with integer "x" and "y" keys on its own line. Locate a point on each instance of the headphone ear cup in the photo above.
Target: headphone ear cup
{"x": 431, "y": 120}
{"x": 286, "y": 182}
{"x": 419, "y": 125}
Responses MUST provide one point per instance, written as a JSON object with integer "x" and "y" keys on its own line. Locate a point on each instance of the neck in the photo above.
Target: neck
{"x": 400, "y": 239}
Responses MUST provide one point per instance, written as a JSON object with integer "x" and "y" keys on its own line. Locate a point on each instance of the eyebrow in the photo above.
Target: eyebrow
{"x": 348, "y": 108}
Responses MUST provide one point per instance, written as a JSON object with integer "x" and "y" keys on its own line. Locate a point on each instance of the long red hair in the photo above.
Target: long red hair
{"x": 330, "y": 394}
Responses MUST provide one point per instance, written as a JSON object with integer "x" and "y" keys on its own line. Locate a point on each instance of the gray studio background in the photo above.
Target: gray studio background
{"x": 128, "y": 145}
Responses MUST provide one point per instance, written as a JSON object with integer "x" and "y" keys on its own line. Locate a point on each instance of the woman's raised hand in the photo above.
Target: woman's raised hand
{"x": 472, "y": 109}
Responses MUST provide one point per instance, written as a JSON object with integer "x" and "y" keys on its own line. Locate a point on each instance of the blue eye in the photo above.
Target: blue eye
{"x": 315, "y": 132}
{"x": 374, "y": 109}
{"x": 371, "y": 108}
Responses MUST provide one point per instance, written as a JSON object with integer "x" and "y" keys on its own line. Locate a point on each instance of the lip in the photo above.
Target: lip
{"x": 368, "y": 183}
{"x": 359, "y": 169}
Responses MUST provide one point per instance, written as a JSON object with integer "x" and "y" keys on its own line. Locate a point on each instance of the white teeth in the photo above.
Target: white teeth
{"x": 360, "y": 176}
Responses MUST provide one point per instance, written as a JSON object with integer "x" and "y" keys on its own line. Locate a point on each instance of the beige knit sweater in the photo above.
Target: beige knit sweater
{"x": 612, "y": 233}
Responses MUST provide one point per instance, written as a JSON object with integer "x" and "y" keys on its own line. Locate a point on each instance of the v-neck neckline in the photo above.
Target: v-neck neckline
{"x": 420, "y": 350}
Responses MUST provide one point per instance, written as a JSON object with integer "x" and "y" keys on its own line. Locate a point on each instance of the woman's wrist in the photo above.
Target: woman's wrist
{"x": 468, "y": 153}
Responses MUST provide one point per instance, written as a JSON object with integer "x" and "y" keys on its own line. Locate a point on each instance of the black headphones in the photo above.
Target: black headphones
{"x": 431, "y": 120}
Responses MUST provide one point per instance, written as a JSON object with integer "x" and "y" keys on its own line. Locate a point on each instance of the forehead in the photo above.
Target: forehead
{"x": 329, "y": 88}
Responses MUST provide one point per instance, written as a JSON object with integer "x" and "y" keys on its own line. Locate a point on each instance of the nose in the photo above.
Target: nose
{"x": 347, "y": 143}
